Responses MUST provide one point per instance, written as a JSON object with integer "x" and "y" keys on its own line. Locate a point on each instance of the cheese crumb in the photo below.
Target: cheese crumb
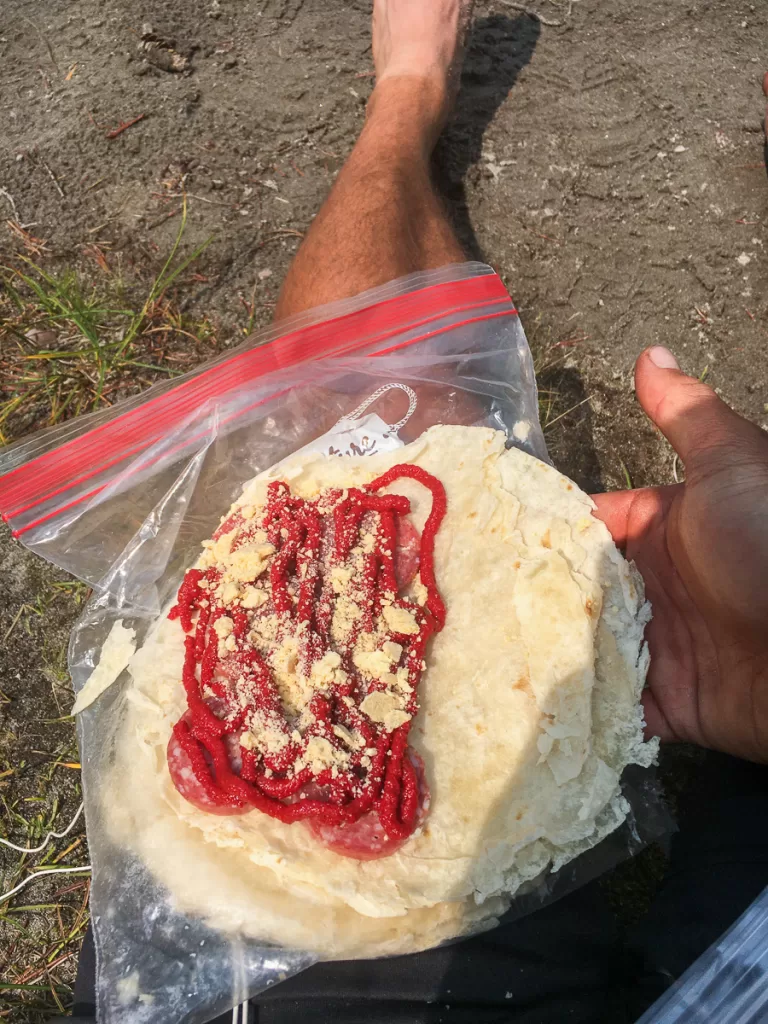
{"x": 344, "y": 734}
{"x": 402, "y": 681}
{"x": 229, "y": 592}
{"x": 223, "y": 546}
{"x": 321, "y": 754}
{"x": 248, "y": 562}
{"x": 400, "y": 620}
{"x": 254, "y": 598}
{"x": 383, "y": 707}
{"x": 371, "y": 663}
{"x": 284, "y": 662}
{"x": 223, "y": 627}
{"x": 340, "y": 578}
{"x": 327, "y": 670}
{"x": 392, "y": 650}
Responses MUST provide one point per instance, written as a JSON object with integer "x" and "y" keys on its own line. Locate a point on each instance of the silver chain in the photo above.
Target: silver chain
{"x": 394, "y": 427}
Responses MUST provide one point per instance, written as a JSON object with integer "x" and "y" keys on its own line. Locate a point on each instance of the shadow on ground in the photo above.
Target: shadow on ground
{"x": 499, "y": 49}
{"x": 570, "y": 439}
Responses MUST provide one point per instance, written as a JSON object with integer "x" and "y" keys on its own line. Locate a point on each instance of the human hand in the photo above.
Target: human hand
{"x": 702, "y": 547}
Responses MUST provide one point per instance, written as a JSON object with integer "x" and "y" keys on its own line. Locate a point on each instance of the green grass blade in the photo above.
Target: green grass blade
{"x": 168, "y": 281}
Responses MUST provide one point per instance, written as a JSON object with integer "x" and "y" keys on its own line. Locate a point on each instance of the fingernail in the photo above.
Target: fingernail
{"x": 663, "y": 358}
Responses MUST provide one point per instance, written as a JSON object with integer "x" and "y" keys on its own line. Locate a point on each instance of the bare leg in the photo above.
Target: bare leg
{"x": 382, "y": 219}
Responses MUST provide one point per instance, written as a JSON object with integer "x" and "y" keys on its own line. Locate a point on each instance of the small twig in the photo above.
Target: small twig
{"x": 69, "y": 849}
{"x": 535, "y": 14}
{"x": 32, "y": 976}
{"x": 45, "y": 40}
{"x": 163, "y": 219}
{"x": 192, "y": 195}
{"x": 98, "y": 127}
{"x": 205, "y": 199}
{"x": 570, "y": 342}
{"x": 32, "y": 244}
{"x": 538, "y": 234}
{"x": 51, "y": 175}
{"x": 566, "y": 413}
{"x": 123, "y": 125}
{"x": 71, "y": 888}
{"x": 279, "y": 234}
{"x": 7, "y": 195}
{"x": 12, "y": 626}
{"x": 95, "y": 253}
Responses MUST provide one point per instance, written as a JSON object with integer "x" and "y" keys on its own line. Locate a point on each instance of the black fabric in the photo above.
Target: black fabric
{"x": 718, "y": 866}
{"x": 566, "y": 964}
{"x": 558, "y": 964}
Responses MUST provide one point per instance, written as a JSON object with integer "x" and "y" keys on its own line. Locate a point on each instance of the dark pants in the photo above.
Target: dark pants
{"x": 570, "y": 962}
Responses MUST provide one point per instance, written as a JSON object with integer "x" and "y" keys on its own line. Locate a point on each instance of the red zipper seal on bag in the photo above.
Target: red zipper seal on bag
{"x": 56, "y": 471}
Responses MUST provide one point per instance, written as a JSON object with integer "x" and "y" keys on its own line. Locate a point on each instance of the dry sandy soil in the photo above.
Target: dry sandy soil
{"x": 611, "y": 168}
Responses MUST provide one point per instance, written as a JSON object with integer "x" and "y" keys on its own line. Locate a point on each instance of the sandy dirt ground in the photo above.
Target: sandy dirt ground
{"x": 610, "y": 167}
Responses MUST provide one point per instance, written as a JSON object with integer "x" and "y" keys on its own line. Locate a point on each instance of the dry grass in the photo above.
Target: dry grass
{"x": 68, "y": 347}
{"x": 70, "y": 342}
{"x": 551, "y": 357}
{"x": 42, "y": 926}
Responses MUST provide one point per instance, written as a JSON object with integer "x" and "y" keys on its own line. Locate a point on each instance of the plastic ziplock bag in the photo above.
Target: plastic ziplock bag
{"x": 124, "y": 497}
{"x": 728, "y": 983}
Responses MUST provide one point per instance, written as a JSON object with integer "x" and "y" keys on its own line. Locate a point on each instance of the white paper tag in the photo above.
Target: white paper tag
{"x": 367, "y": 435}
{"x": 364, "y": 433}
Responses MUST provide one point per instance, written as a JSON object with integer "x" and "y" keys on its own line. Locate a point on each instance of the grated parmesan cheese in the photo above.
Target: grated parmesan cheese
{"x": 400, "y": 620}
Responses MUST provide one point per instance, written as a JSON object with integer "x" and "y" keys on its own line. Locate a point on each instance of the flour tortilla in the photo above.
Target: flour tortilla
{"x": 529, "y": 713}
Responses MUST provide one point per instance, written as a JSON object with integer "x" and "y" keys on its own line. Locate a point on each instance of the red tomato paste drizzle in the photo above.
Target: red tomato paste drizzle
{"x": 307, "y": 539}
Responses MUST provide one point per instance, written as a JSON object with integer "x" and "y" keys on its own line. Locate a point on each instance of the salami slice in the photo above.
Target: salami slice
{"x": 366, "y": 839}
{"x": 407, "y": 553}
{"x": 187, "y": 783}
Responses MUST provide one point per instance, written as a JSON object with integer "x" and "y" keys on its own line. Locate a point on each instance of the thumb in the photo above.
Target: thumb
{"x": 690, "y": 415}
